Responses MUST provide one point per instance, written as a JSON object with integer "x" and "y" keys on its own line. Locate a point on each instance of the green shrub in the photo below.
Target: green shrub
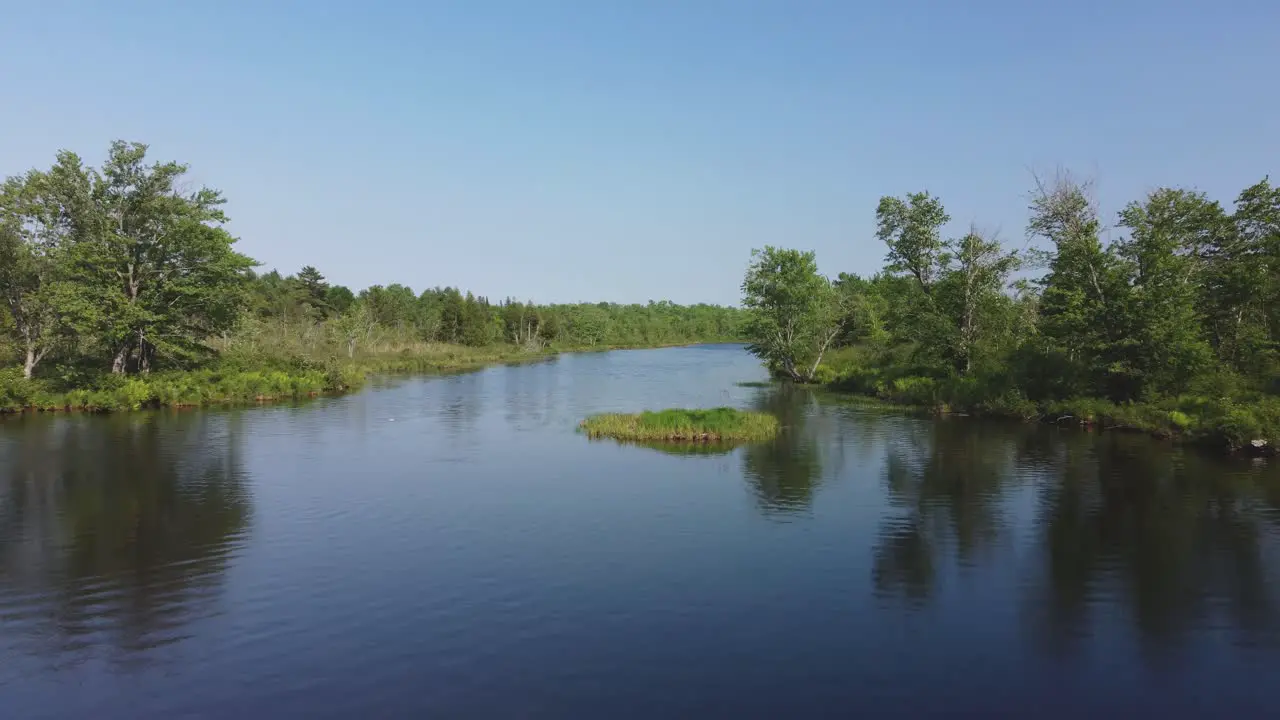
{"x": 913, "y": 390}
{"x": 15, "y": 391}
{"x": 132, "y": 394}
{"x": 1011, "y": 403}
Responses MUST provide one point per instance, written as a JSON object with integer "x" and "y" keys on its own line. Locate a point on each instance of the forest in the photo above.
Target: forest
{"x": 1166, "y": 319}
{"x": 123, "y": 288}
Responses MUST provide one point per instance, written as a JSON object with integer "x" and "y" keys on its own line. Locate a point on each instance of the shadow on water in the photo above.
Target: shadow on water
{"x": 1099, "y": 530}
{"x": 682, "y": 449}
{"x": 944, "y": 481}
{"x": 115, "y": 532}
{"x": 785, "y": 472}
{"x": 1176, "y": 539}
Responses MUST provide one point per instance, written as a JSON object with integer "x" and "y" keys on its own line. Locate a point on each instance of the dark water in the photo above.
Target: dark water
{"x": 450, "y": 547}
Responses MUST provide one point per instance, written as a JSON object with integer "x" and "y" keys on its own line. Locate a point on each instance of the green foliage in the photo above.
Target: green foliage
{"x": 33, "y": 261}
{"x": 713, "y": 425}
{"x": 911, "y": 229}
{"x": 122, "y": 270}
{"x": 794, "y": 313}
{"x": 16, "y": 391}
{"x": 169, "y": 389}
{"x": 1180, "y": 420}
{"x": 1172, "y": 328}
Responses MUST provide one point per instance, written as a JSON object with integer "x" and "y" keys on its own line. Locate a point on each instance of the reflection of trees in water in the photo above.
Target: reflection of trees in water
{"x": 1131, "y": 532}
{"x": 529, "y": 392}
{"x": 946, "y": 480}
{"x": 1177, "y": 536}
{"x": 462, "y": 400}
{"x": 115, "y": 531}
{"x": 785, "y": 471}
{"x": 681, "y": 449}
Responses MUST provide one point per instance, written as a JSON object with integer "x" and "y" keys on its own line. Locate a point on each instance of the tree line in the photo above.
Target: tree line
{"x": 123, "y": 268}
{"x": 448, "y": 315}
{"x": 1181, "y": 296}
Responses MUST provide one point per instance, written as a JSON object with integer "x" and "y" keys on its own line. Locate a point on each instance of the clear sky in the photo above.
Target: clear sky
{"x": 628, "y": 150}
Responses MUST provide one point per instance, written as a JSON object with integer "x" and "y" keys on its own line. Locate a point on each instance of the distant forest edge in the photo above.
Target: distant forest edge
{"x": 119, "y": 283}
{"x": 1171, "y": 326}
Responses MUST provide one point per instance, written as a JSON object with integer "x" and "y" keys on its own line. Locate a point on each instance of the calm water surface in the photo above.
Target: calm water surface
{"x": 449, "y": 547}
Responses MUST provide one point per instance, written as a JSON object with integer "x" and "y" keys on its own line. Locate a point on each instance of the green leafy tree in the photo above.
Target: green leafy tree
{"x": 794, "y": 313}
{"x": 355, "y": 326}
{"x": 154, "y": 273}
{"x": 1083, "y": 312}
{"x": 912, "y": 229}
{"x": 452, "y": 315}
{"x": 339, "y": 298}
{"x": 975, "y": 287}
{"x": 31, "y": 259}
{"x": 393, "y": 306}
{"x": 1169, "y": 234}
{"x": 1241, "y": 290}
{"x": 520, "y": 322}
{"x": 476, "y": 326}
{"x": 866, "y": 307}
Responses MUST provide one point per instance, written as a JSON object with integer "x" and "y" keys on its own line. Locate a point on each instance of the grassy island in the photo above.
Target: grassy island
{"x": 676, "y": 425}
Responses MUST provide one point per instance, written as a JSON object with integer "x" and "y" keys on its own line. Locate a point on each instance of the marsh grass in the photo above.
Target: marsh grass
{"x": 239, "y": 378}
{"x": 716, "y": 425}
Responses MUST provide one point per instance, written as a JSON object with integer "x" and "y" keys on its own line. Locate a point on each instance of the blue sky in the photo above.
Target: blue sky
{"x": 626, "y": 150}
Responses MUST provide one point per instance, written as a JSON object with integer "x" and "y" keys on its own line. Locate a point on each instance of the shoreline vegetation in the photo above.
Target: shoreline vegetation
{"x": 1207, "y": 426}
{"x": 120, "y": 288}
{"x": 234, "y": 382}
{"x": 1166, "y": 320}
{"x": 715, "y": 425}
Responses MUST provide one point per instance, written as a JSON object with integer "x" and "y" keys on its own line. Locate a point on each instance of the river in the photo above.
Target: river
{"x": 451, "y": 547}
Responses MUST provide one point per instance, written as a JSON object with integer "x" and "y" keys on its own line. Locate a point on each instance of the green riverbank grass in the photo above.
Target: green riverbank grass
{"x": 675, "y": 425}
{"x": 1235, "y": 421}
{"x": 246, "y": 375}
{"x": 241, "y": 378}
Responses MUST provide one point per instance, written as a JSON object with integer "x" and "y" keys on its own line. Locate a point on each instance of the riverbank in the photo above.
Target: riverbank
{"x": 1240, "y": 422}
{"x": 238, "y": 379}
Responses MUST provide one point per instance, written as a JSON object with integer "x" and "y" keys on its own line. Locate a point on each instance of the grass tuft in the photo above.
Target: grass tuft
{"x": 675, "y": 425}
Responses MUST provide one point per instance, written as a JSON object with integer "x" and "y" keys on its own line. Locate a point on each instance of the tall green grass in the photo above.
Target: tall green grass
{"x": 713, "y": 425}
{"x": 169, "y": 389}
{"x": 282, "y": 365}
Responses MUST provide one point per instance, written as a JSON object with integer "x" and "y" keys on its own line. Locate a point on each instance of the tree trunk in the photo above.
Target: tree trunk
{"x": 29, "y": 366}
{"x": 813, "y": 371}
{"x": 121, "y": 359}
{"x": 144, "y": 353}
{"x": 789, "y": 366}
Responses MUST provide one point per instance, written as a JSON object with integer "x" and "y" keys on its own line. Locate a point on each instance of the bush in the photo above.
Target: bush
{"x": 913, "y": 390}
{"x": 15, "y": 391}
{"x": 1011, "y": 403}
